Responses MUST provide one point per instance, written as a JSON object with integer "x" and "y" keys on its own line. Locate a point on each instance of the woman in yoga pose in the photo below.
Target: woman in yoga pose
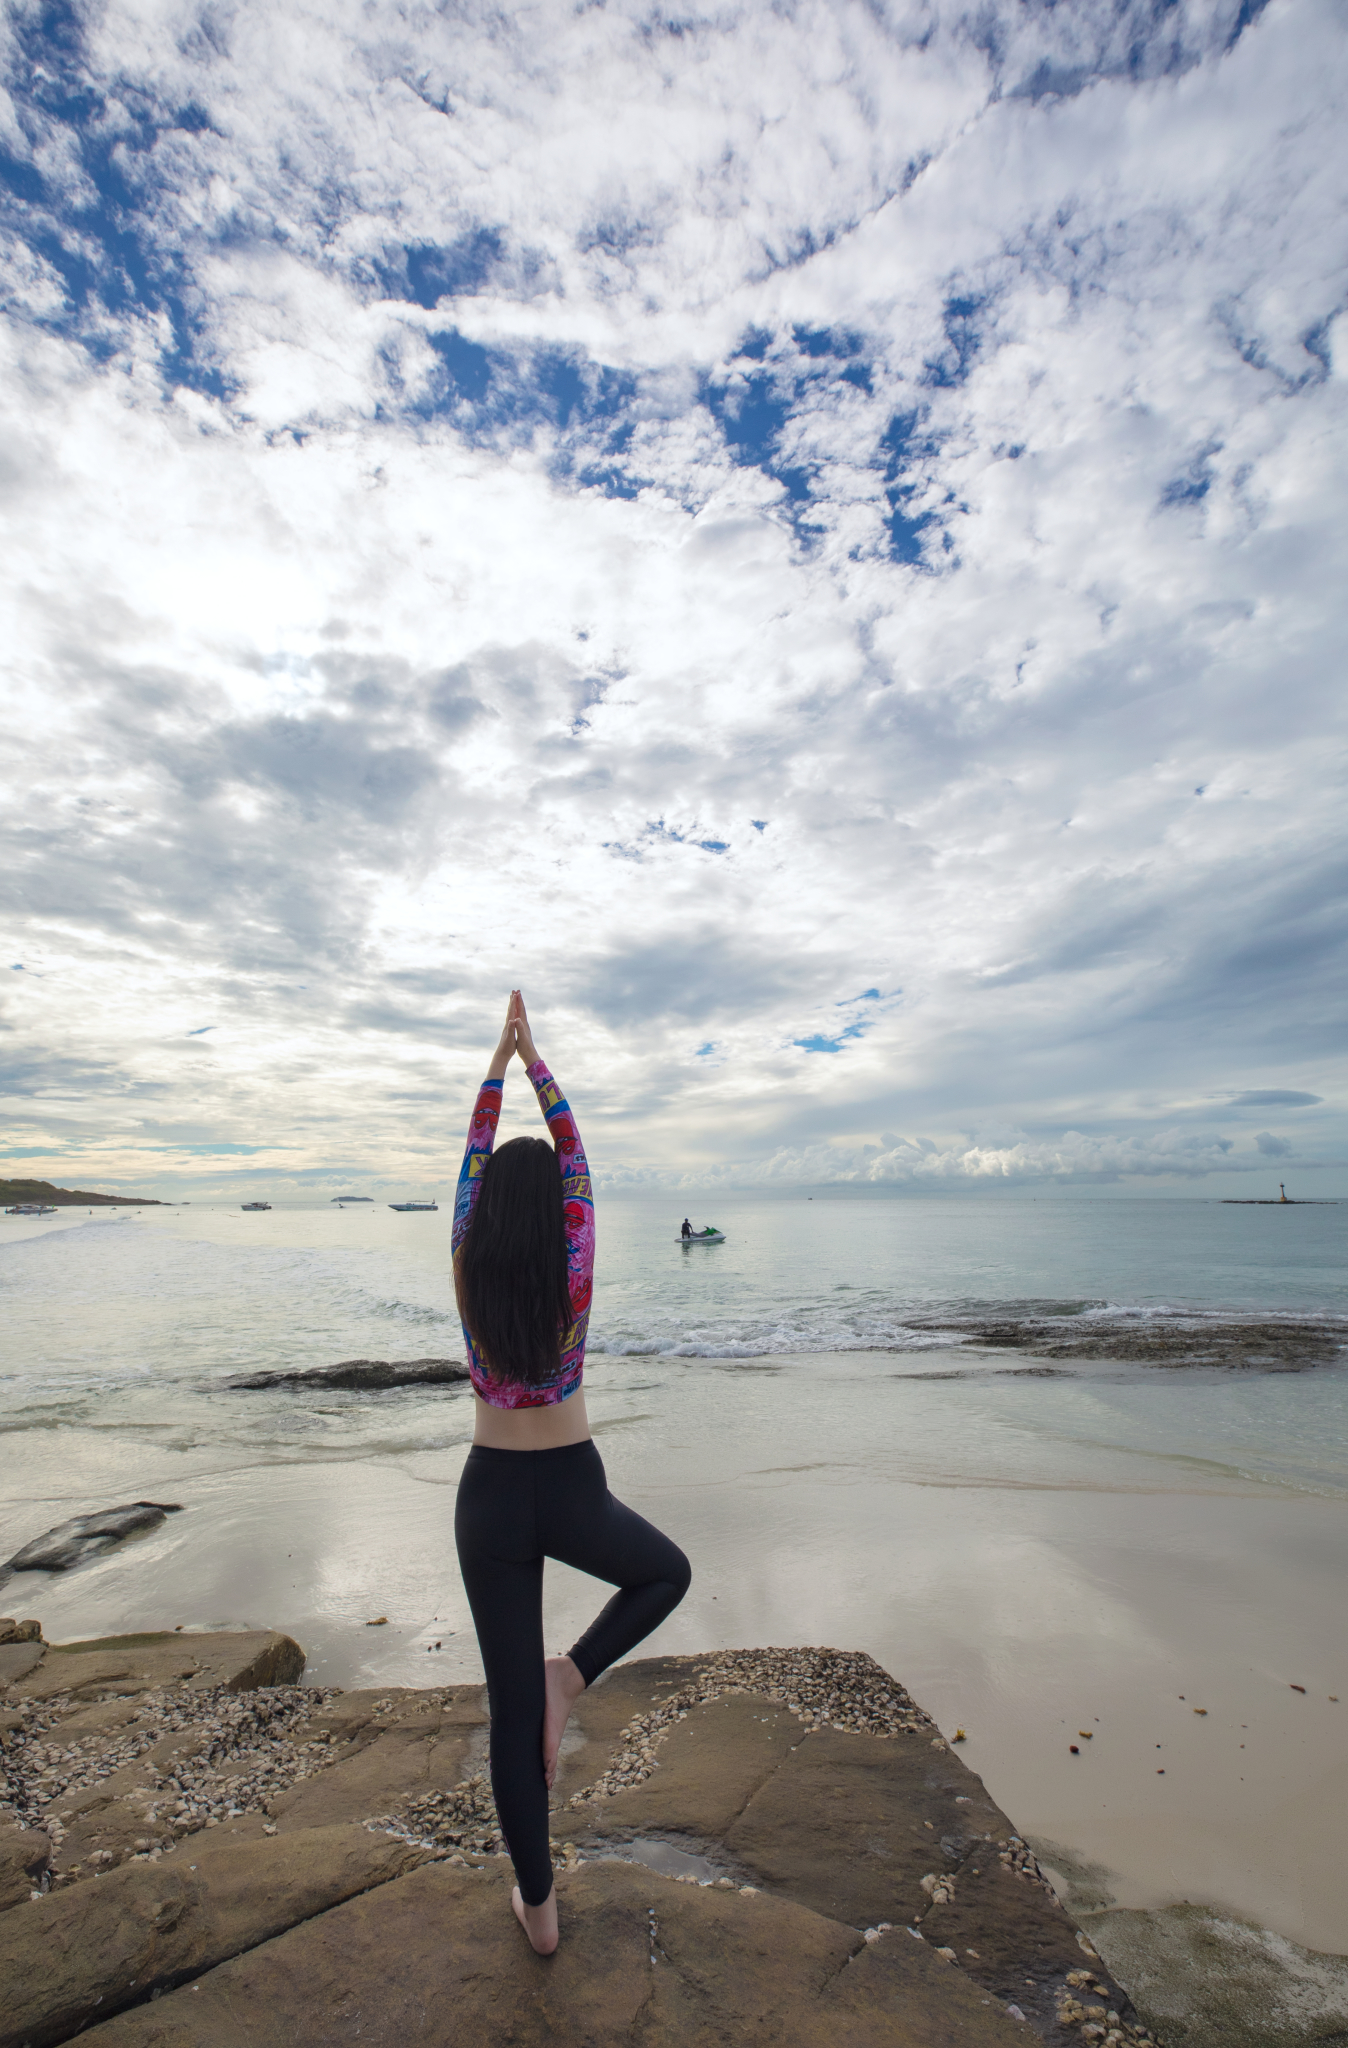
{"x": 533, "y": 1485}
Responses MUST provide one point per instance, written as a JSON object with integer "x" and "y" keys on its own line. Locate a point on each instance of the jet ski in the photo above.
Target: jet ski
{"x": 708, "y": 1236}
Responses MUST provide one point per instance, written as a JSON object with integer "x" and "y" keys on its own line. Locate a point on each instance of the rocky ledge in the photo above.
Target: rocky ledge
{"x": 774, "y": 1846}
{"x": 364, "y": 1375}
{"x": 1089, "y": 1331}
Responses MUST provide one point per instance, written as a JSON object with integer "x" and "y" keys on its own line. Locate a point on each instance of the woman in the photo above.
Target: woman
{"x": 533, "y": 1485}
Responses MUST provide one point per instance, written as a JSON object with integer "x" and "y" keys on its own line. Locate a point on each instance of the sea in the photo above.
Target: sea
{"x": 1044, "y": 1458}
{"x": 133, "y": 1323}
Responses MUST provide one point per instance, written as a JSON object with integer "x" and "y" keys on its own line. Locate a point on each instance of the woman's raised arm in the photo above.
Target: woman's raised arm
{"x": 482, "y": 1128}
{"x": 577, "y": 1194}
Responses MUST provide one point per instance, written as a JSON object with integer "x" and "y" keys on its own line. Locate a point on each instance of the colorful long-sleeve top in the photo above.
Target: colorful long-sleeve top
{"x": 578, "y": 1209}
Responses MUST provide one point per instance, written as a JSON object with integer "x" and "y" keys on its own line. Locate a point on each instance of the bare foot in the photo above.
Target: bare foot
{"x": 538, "y": 1922}
{"x": 564, "y": 1687}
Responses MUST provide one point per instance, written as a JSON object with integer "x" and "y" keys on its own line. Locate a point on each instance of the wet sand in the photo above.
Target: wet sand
{"x": 1025, "y": 1583}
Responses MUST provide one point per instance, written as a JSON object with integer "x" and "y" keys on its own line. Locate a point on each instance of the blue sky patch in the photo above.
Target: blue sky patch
{"x": 964, "y": 340}
{"x": 909, "y": 453}
{"x": 104, "y": 247}
{"x": 1194, "y": 482}
{"x": 425, "y": 272}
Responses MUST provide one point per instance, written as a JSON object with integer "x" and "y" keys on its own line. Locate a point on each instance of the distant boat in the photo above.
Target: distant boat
{"x": 708, "y": 1236}
{"x": 352, "y": 1198}
{"x": 32, "y": 1209}
{"x": 403, "y": 1207}
{"x": 255, "y": 1205}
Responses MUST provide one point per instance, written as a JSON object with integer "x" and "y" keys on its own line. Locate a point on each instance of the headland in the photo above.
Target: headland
{"x": 72, "y": 1198}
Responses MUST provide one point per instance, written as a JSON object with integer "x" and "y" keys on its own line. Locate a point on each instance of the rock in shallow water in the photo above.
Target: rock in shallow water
{"x": 370, "y": 1375}
{"x": 87, "y": 1536}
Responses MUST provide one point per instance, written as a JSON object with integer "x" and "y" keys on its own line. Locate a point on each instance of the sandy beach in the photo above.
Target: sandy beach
{"x": 1156, "y": 1610}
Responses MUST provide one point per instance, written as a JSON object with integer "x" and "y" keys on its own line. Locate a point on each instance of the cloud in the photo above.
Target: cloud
{"x": 1074, "y": 1159}
{"x": 1274, "y": 1098}
{"x": 699, "y": 523}
{"x": 1271, "y": 1147}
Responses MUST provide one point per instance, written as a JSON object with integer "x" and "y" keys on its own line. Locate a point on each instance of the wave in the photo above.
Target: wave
{"x": 1143, "y": 1333}
{"x": 415, "y": 1312}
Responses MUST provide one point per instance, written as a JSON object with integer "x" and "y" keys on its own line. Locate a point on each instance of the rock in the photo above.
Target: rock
{"x": 369, "y": 1375}
{"x": 1211, "y": 1981}
{"x": 727, "y": 1970}
{"x": 25, "y": 1857}
{"x": 86, "y": 1536}
{"x": 238, "y": 1659}
{"x": 383, "y": 1760}
{"x": 141, "y": 1767}
{"x": 721, "y": 1768}
{"x": 18, "y": 1659}
{"x": 710, "y": 1767}
{"x": 74, "y": 1957}
{"x": 113, "y": 1708}
{"x": 868, "y": 1848}
{"x": 20, "y": 1632}
{"x": 128, "y": 1664}
{"x": 1295, "y": 1344}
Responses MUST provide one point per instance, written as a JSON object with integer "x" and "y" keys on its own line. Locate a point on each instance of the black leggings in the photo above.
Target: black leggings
{"x": 515, "y": 1508}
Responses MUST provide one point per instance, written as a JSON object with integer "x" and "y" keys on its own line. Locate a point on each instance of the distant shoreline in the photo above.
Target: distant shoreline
{"x": 67, "y": 1198}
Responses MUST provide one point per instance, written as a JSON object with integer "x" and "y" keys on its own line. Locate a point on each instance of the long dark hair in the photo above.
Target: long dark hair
{"x": 510, "y": 1275}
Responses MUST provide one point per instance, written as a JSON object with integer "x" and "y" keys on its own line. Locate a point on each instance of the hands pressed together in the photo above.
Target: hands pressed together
{"x": 516, "y": 1037}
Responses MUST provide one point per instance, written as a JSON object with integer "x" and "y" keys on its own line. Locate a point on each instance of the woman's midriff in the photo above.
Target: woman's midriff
{"x": 531, "y": 1429}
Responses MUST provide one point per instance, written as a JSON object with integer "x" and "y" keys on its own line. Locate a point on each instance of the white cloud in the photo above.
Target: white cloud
{"x": 478, "y": 473}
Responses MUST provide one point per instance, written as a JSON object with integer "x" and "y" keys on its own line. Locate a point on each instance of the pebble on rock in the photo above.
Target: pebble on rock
{"x": 843, "y": 1689}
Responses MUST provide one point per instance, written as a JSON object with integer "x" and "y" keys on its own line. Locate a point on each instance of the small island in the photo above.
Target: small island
{"x": 70, "y": 1198}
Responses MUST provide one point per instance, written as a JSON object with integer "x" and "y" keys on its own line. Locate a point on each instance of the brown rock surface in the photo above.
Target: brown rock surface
{"x": 69, "y": 1959}
{"x": 711, "y": 1767}
{"x": 884, "y": 1815}
{"x": 20, "y": 1631}
{"x": 25, "y": 1858}
{"x": 129, "y": 1664}
{"x": 601, "y": 1714}
{"x": 419, "y": 1743}
{"x": 643, "y": 1961}
{"x": 891, "y": 1901}
{"x": 17, "y": 1660}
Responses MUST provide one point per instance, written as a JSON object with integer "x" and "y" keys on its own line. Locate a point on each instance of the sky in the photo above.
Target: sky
{"x": 810, "y": 538}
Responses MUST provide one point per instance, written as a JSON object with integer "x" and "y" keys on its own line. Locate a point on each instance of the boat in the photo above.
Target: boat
{"x": 340, "y": 1199}
{"x": 32, "y": 1209}
{"x": 255, "y": 1205}
{"x": 708, "y": 1236}
{"x": 403, "y": 1207}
